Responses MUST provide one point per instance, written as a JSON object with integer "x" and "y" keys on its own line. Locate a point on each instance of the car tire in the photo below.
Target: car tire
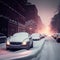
{"x": 28, "y": 48}
{"x": 31, "y": 45}
{"x": 7, "y": 48}
{"x": 58, "y": 40}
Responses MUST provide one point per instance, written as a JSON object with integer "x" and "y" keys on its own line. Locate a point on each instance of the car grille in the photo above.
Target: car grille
{"x": 15, "y": 43}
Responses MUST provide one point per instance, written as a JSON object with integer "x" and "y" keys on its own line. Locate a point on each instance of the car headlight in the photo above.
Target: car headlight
{"x": 24, "y": 43}
{"x": 8, "y": 43}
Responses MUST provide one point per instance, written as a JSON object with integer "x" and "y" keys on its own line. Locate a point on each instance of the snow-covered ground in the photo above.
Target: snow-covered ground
{"x": 44, "y": 49}
{"x": 51, "y": 50}
{"x": 21, "y": 54}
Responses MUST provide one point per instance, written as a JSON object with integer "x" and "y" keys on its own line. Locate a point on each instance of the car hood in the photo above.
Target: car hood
{"x": 18, "y": 39}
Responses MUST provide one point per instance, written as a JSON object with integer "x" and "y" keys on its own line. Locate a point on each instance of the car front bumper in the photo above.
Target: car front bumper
{"x": 17, "y": 46}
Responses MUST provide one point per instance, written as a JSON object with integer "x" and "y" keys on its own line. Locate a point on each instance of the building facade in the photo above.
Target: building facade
{"x": 11, "y": 15}
{"x": 15, "y": 14}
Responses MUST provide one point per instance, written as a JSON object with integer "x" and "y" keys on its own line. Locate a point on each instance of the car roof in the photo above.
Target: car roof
{"x": 20, "y": 37}
{"x": 35, "y": 34}
{"x": 19, "y": 33}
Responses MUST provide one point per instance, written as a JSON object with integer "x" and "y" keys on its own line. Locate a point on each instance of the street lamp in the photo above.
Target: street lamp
{"x": 30, "y": 28}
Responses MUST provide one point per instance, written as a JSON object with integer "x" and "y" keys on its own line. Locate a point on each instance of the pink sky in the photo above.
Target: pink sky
{"x": 46, "y": 9}
{"x": 46, "y": 15}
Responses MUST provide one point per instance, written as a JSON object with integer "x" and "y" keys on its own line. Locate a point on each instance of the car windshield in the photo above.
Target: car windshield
{"x": 35, "y": 35}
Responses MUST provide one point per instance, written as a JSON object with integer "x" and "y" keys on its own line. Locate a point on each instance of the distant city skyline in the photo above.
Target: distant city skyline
{"x": 46, "y": 9}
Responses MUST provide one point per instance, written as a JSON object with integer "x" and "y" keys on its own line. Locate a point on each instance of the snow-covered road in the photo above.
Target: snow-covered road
{"x": 6, "y": 54}
{"x": 51, "y": 50}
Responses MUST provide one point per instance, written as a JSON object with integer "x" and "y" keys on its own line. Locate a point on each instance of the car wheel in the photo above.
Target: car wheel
{"x": 31, "y": 45}
{"x": 7, "y": 48}
{"x": 28, "y": 48}
{"x": 58, "y": 41}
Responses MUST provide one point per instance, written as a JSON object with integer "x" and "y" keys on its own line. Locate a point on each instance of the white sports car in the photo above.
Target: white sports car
{"x": 19, "y": 40}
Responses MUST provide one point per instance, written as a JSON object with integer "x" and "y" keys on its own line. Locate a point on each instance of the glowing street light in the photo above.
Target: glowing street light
{"x": 30, "y": 28}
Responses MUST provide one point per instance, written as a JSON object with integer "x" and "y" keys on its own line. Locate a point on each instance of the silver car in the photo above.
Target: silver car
{"x": 35, "y": 36}
{"x": 19, "y": 41}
